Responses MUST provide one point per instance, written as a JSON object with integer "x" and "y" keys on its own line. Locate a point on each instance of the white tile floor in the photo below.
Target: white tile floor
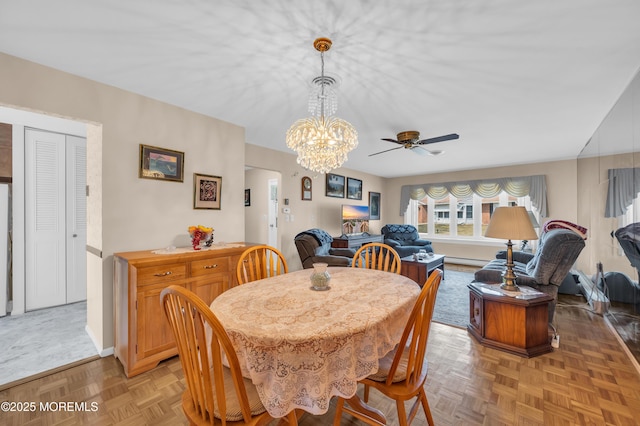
{"x": 41, "y": 340}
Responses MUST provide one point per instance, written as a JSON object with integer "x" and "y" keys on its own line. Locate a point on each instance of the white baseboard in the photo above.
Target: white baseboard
{"x": 103, "y": 352}
{"x": 464, "y": 261}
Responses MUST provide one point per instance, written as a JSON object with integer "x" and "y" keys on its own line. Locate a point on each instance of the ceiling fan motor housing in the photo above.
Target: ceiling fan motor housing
{"x": 408, "y": 136}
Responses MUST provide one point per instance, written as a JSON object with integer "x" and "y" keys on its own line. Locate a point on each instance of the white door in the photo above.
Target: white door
{"x": 55, "y": 219}
{"x": 76, "y": 214}
{"x": 273, "y": 212}
{"x": 45, "y": 245}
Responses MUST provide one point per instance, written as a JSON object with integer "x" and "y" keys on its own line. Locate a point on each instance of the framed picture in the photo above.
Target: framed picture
{"x": 374, "y": 205}
{"x": 247, "y": 197}
{"x": 354, "y": 189}
{"x": 161, "y": 164}
{"x": 207, "y": 191}
{"x": 335, "y": 186}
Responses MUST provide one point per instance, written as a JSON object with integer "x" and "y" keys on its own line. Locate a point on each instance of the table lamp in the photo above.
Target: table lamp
{"x": 510, "y": 223}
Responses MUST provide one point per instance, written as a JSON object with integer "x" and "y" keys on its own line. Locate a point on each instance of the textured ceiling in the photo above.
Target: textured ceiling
{"x": 520, "y": 81}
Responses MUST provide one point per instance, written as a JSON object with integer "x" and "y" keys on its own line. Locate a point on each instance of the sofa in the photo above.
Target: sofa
{"x": 544, "y": 270}
{"x": 314, "y": 246}
{"x": 405, "y": 239}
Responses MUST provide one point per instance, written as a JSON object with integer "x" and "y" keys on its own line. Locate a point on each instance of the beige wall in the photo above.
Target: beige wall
{"x": 322, "y": 211}
{"x": 125, "y": 212}
{"x": 561, "y": 199}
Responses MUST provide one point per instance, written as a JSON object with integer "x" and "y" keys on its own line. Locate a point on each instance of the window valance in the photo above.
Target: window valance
{"x": 624, "y": 185}
{"x": 533, "y": 186}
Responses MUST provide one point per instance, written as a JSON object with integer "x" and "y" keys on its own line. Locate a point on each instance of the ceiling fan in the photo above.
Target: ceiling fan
{"x": 411, "y": 140}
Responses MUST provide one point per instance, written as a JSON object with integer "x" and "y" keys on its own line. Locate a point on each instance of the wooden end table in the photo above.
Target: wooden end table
{"x": 518, "y": 325}
{"x": 419, "y": 270}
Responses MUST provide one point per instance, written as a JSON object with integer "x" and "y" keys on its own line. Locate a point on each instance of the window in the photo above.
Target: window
{"x": 458, "y": 218}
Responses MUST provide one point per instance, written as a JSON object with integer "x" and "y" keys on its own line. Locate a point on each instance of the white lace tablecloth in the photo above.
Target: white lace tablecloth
{"x": 300, "y": 347}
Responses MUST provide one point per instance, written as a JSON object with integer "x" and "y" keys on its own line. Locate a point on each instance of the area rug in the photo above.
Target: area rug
{"x": 452, "y": 302}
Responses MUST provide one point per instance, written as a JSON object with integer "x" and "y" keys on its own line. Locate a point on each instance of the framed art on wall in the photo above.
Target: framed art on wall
{"x": 207, "y": 191}
{"x": 161, "y": 164}
{"x": 335, "y": 186}
{"x": 247, "y": 197}
{"x": 374, "y": 205}
{"x": 354, "y": 189}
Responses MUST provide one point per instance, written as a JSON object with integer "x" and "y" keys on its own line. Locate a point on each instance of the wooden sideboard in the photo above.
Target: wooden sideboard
{"x": 143, "y": 336}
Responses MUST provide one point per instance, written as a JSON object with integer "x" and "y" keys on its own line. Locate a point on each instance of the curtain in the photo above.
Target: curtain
{"x": 624, "y": 185}
{"x": 533, "y": 186}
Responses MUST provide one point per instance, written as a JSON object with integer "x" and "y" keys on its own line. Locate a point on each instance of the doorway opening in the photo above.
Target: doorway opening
{"x": 28, "y": 341}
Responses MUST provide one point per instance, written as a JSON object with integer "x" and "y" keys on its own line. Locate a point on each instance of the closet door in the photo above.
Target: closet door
{"x": 76, "y": 213}
{"x": 45, "y": 251}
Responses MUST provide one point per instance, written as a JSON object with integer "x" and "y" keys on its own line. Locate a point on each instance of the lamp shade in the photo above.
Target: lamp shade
{"x": 511, "y": 223}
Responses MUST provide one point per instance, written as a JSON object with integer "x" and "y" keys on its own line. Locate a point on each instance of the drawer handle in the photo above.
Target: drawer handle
{"x": 211, "y": 266}
{"x": 164, "y": 274}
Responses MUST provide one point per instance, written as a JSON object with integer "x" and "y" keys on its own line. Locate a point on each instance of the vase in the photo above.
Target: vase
{"x": 208, "y": 240}
{"x": 320, "y": 277}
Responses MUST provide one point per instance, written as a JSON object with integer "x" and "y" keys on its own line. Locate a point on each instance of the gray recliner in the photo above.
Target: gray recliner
{"x": 545, "y": 270}
{"x": 314, "y": 245}
{"x": 405, "y": 239}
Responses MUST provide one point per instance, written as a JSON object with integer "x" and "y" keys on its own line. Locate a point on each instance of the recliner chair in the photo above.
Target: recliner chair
{"x": 545, "y": 270}
{"x": 314, "y": 246}
{"x": 405, "y": 239}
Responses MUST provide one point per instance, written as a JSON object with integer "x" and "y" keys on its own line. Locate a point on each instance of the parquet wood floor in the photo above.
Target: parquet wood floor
{"x": 589, "y": 380}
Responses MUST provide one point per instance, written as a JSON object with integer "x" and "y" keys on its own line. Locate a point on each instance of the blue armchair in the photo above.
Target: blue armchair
{"x": 405, "y": 239}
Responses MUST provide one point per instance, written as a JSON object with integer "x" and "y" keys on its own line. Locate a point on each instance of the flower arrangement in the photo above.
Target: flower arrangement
{"x": 200, "y": 233}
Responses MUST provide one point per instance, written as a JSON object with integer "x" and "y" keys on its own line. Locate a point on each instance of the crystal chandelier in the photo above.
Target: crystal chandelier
{"x": 322, "y": 141}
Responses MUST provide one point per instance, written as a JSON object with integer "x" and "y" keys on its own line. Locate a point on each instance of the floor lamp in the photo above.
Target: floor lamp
{"x": 510, "y": 223}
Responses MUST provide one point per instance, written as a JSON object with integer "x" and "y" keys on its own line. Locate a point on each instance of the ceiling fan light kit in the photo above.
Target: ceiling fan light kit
{"x": 323, "y": 140}
{"x": 410, "y": 139}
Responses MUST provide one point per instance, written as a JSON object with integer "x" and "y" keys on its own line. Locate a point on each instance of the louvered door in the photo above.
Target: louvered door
{"x": 55, "y": 260}
{"x": 76, "y": 214}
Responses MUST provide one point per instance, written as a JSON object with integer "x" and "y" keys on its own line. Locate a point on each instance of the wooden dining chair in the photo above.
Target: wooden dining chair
{"x": 378, "y": 256}
{"x": 214, "y": 391}
{"x": 260, "y": 262}
{"x": 403, "y": 371}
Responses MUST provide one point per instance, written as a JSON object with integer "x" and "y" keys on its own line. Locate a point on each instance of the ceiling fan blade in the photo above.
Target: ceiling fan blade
{"x": 392, "y": 149}
{"x": 390, "y": 140}
{"x": 438, "y": 139}
{"x": 424, "y": 151}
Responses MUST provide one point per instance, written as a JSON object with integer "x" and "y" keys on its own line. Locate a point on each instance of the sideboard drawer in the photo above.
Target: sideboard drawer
{"x": 214, "y": 265}
{"x": 162, "y": 273}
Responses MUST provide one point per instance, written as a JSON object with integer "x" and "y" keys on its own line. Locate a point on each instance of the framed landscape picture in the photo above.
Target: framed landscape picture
{"x": 354, "y": 189}
{"x": 207, "y": 191}
{"x": 374, "y": 205}
{"x": 335, "y": 186}
{"x": 161, "y": 164}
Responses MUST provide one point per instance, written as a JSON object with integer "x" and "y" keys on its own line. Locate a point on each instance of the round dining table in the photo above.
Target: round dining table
{"x": 301, "y": 347}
